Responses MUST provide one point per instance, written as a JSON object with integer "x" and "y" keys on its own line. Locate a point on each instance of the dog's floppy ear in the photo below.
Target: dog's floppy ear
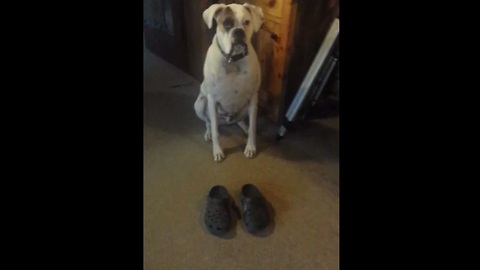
{"x": 210, "y": 13}
{"x": 257, "y": 16}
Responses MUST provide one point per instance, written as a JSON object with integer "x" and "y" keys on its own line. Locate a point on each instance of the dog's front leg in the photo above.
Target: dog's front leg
{"x": 251, "y": 149}
{"x": 212, "y": 113}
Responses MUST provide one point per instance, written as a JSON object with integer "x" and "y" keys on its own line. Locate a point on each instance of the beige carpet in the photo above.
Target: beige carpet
{"x": 299, "y": 176}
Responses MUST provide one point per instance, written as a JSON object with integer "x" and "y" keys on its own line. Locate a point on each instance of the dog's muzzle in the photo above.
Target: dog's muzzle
{"x": 238, "y": 36}
{"x": 239, "y": 46}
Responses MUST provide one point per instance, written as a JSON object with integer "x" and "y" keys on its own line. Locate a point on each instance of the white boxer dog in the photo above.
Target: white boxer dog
{"x": 229, "y": 91}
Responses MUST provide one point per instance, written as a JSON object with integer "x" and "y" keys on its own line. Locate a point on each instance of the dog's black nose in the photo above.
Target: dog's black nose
{"x": 238, "y": 34}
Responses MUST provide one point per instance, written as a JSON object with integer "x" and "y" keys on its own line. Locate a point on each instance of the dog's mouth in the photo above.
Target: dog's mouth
{"x": 239, "y": 48}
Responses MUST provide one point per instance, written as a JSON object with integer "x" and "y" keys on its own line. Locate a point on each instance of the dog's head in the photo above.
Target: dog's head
{"x": 235, "y": 23}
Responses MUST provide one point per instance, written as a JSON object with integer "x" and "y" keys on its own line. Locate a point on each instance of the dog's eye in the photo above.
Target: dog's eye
{"x": 247, "y": 22}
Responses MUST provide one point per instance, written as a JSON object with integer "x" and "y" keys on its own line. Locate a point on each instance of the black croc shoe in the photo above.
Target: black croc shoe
{"x": 218, "y": 219}
{"x": 254, "y": 209}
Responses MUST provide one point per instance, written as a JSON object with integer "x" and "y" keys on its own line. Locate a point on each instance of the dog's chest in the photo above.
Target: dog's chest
{"x": 233, "y": 90}
{"x": 232, "y": 69}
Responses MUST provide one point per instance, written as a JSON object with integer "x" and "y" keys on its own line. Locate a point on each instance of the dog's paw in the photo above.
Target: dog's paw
{"x": 218, "y": 154}
{"x": 250, "y": 151}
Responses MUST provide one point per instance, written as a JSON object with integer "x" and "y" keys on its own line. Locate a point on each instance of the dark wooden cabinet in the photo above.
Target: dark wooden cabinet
{"x": 163, "y": 31}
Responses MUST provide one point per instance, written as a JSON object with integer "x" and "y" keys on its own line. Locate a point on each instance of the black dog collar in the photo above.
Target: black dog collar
{"x": 233, "y": 58}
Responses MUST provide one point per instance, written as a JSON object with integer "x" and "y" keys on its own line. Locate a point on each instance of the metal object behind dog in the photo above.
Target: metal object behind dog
{"x": 318, "y": 63}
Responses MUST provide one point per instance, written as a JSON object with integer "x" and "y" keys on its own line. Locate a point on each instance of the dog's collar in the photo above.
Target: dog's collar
{"x": 232, "y": 58}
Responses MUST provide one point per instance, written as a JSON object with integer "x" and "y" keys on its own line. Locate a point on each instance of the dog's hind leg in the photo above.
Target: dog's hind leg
{"x": 243, "y": 126}
{"x": 201, "y": 107}
{"x": 202, "y": 113}
{"x": 208, "y": 133}
{"x": 243, "y": 117}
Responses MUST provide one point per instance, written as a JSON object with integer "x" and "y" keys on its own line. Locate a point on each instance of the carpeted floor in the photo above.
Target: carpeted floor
{"x": 299, "y": 176}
